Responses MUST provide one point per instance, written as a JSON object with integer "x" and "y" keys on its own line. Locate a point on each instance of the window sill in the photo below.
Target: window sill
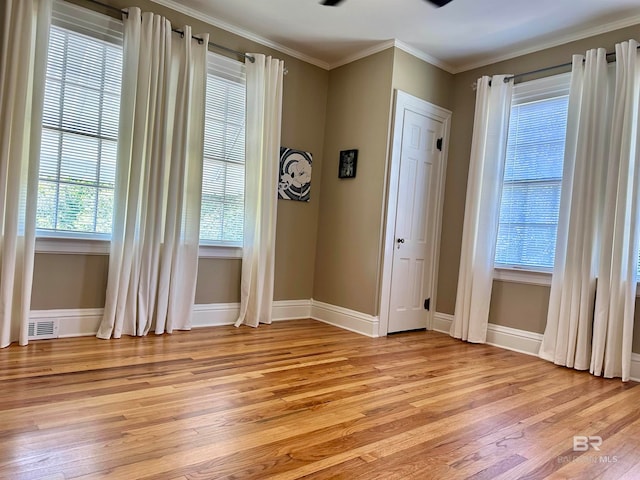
{"x": 529, "y": 277}
{"x": 85, "y": 246}
{"x": 70, "y": 246}
{"x": 219, "y": 251}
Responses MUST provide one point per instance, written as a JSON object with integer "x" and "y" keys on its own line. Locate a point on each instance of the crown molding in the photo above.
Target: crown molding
{"x": 425, "y": 56}
{"x": 582, "y": 34}
{"x": 379, "y": 47}
{"x": 398, "y": 44}
{"x": 174, "y": 5}
{"x": 178, "y": 7}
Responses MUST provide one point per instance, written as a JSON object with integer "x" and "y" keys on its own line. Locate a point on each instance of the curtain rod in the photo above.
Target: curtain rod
{"x": 211, "y": 44}
{"x": 553, "y": 67}
{"x": 541, "y": 70}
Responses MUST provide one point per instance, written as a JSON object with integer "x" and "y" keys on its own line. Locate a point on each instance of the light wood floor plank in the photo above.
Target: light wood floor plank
{"x": 304, "y": 399}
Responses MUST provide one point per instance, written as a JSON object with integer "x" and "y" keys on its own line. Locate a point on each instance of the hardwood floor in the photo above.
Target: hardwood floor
{"x": 304, "y": 399}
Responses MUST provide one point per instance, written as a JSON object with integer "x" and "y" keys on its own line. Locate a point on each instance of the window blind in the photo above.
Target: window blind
{"x": 532, "y": 183}
{"x": 80, "y": 123}
{"x": 222, "y": 215}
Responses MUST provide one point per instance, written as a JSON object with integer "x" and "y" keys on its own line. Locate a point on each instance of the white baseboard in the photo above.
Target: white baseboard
{"x": 518, "y": 340}
{"x": 442, "y": 322}
{"x": 497, "y": 335}
{"x": 214, "y": 314}
{"x": 75, "y": 322}
{"x": 291, "y": 310}
{"x": 85, "y": 321}
{"x": 352, "y": 320}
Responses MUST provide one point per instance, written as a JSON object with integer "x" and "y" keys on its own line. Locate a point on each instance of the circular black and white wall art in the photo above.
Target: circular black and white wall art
{"x": 295, "y": 175}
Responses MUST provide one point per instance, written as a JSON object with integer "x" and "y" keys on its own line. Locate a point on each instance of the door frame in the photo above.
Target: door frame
{"x": 405, "y": 101}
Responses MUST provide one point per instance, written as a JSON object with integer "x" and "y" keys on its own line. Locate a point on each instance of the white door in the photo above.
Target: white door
{"x": 415, "y": 230}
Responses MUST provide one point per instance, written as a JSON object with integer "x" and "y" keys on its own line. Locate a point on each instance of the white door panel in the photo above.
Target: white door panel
{"x": 414, "y": 222}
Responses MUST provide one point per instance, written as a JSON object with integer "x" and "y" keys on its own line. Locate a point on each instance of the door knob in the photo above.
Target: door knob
{"x": 400, "y": 240}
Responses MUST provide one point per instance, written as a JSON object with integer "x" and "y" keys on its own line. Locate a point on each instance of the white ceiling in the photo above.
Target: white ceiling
{"x": 462, "y": 35}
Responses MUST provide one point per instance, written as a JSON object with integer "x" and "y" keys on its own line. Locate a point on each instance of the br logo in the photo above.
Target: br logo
{"x": 582, "y": 443}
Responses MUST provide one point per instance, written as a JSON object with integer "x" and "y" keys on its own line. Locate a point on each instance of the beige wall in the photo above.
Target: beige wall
{"x": 350, "y": 221}
{"x": 303, "y": 126}
{"x": 520, "y": 306}
{"x": 512, "y": 305}
{"x": 303, "y": 120}
{"x": 208, "y": 287}
{"x": 80, "y": 281}
{"x": 422, "y": 80}
{"x": 69, "y": 281}
{"x": 636, "y": 330}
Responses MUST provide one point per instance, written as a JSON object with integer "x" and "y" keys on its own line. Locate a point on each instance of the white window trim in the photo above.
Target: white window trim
{"x": 85, "y": 21}
{"x": 542, "y": 89}
{"x": 219, "y": 251}
{"x": 72, "y": 245}
{"x": 516, "y": 274}
{"x": 535, "y": 90}
{"x": 231, "y": 70}
{"x": 101, "y": 27}
{"x": 530, "y": 277}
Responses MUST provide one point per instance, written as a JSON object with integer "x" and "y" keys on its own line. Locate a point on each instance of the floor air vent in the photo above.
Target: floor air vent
{"x": 43, "y": 329}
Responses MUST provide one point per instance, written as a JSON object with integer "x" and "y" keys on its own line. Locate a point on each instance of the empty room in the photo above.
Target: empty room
{"x": 354, "y": 239}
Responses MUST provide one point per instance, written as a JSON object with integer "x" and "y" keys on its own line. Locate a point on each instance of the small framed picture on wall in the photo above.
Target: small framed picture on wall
{"x": 348, "y": 164}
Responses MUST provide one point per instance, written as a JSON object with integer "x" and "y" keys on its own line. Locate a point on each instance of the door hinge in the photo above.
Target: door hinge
{"x": 439, "y": 144}
{"x": 427, "y": 303}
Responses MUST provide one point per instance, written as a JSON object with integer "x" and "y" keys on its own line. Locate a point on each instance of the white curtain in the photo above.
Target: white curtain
{"x": 264, "y": 113}
{"x": 154, "y": 248}
{"x": 616, "y": 291}
{"x": 567, "y": 337}
{"x": 593, "y": 291}
{"x": 25, "y": 36}
{"x": 482, "y": 208}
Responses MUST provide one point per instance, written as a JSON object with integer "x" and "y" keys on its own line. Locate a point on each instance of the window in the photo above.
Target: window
{"x": 80, "y": 124}
{"x": 80, "y": 133}
{"x": 533, "y": 174}
{"x": 222, "y": 217}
